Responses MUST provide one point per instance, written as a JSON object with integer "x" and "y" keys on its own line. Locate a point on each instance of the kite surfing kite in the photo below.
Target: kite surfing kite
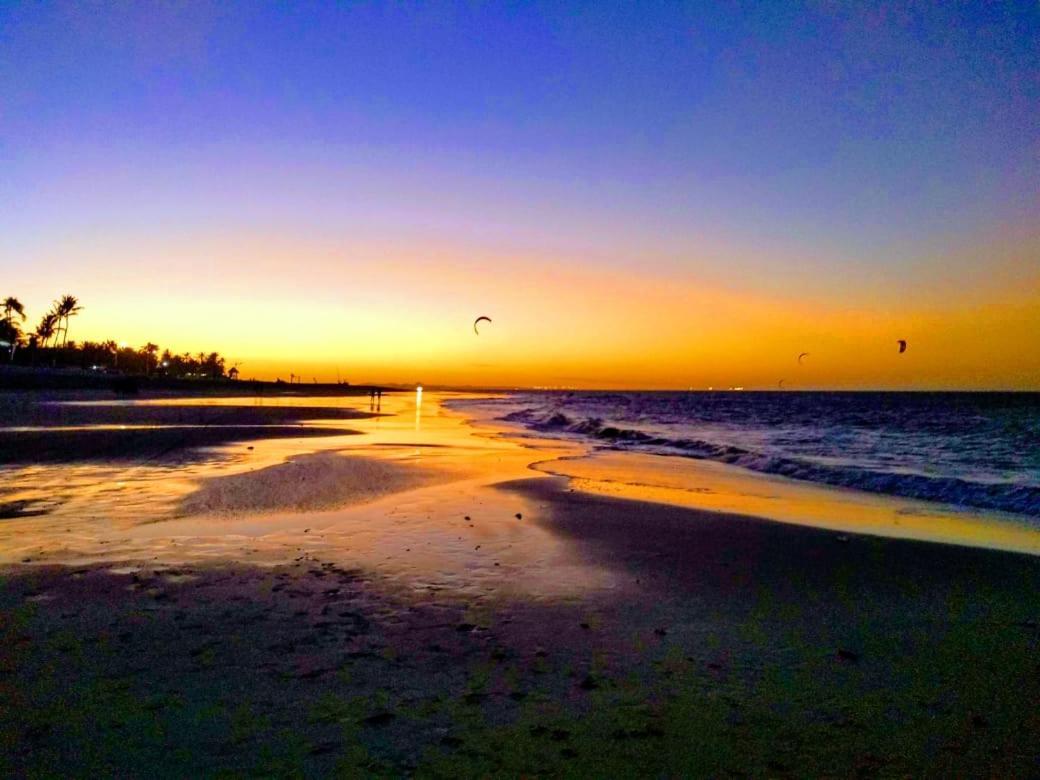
{"x": 902, "y": 345}
{"x": 802, "y": 355}
{"x": 477, "y": 321}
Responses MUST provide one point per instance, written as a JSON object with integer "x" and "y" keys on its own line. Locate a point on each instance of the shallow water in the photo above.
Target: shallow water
{"x": 412, "y": 528}
{"x": 441, "y": 465}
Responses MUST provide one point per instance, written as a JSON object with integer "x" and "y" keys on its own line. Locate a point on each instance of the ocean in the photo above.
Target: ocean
{"x": 978, "y": 450}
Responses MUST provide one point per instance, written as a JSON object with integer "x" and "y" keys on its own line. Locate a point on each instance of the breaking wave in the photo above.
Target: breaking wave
{"x": 1000, "y": 495}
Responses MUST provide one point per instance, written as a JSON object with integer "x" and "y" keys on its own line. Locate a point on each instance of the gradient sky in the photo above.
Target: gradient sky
{"x": 639, "y": 194}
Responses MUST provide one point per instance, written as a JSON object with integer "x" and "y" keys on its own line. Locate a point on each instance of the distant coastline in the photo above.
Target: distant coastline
{"x": 26, "y": 379}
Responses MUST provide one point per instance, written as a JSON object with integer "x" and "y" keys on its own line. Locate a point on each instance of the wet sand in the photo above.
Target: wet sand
{"x": 138, "y": 445}
{"x": 305, "y": 482}
{"x": 32, "y": 431}
{"x": 25, "y": 410}
{"x": 432, "y": 631}
{"x": 703, "y": 484}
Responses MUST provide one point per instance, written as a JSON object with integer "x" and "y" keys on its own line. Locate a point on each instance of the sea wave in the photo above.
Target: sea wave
{"x": 998, "y": 496}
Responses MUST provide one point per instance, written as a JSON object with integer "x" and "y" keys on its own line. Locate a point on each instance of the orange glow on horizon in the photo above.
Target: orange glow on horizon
{"x": 404, "y": 315}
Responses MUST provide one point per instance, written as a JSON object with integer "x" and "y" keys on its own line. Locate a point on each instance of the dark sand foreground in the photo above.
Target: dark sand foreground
{"x": 736, "y": 647}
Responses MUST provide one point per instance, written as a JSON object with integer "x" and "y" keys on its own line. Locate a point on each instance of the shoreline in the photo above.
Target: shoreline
{"x": 216, "y": 442}
{"x": 890, "y": 445}
{"x": 676, "y": 480}
{"x": 726, "y": 489}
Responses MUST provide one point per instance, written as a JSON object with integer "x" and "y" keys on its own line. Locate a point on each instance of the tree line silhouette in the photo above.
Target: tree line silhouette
{"x": 48, "y": 344}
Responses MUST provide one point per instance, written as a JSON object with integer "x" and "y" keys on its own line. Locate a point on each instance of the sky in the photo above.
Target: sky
{"x": 638, "y": 194}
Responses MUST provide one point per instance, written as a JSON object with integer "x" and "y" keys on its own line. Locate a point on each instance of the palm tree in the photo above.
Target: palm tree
{"x": 149, "y": 351}
{"x": 214, "y": 365}
{"x": 11, "y": 336}
{"x": 13, "y": 306}
{"x": 112, "y": 349}
{"x": 67, "y": 307}
{"x": 46, "y": 329}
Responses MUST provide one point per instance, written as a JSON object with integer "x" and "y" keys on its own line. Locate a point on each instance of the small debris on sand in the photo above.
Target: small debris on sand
{"x": 590, "y": 683}
{"x": 379, "y": 719}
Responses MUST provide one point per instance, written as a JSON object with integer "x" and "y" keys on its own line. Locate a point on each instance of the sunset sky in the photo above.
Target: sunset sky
{"x": 638, "y": 194}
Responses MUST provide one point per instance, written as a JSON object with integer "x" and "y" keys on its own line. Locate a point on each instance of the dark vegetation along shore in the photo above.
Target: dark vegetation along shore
{"x": 45, "y": 359}
{"x": 44, "y": 379}
{"x": 738, "y": 648}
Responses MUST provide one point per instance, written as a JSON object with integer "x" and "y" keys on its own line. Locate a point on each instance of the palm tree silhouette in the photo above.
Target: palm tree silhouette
{"x": 113, "y": 349}
{"x": 46, "y": 329}
{"x": 149, "y": 351}
{"x": 67, "y": 307}
{"x": 9, "y": 330}
{"x": 13, "y": 306}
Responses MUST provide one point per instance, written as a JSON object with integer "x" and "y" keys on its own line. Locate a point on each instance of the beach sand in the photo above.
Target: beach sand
{"x": 474, "y": 616}
{"x": 305, "y": 482}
